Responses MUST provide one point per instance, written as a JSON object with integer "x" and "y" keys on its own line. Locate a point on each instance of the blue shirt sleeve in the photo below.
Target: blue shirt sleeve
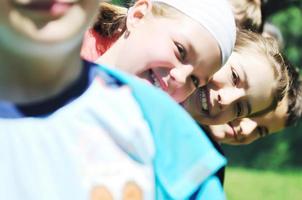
{"x": 211, "y": 189}
{"x": 185, "y": 158}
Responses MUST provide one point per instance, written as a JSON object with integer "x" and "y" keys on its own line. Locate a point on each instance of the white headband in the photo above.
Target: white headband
{"x": 215, "y": 15}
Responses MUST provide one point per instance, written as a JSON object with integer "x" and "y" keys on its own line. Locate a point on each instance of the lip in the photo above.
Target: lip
{"x": 237, "y": 136}
{"x": 234, "y": 134}
{"x": 162, "y": 84}
{"x": 54, "y": 7}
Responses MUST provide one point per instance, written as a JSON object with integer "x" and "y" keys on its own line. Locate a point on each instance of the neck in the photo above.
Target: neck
{"x": 26, "y": 78}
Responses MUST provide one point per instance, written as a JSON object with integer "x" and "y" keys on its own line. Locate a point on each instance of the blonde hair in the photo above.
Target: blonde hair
{"x": 111, "y": 19}
{"x": 250, "y": 42}
{"x": 247, "y": 14}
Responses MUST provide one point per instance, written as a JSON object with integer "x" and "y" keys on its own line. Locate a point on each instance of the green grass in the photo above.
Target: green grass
{"x": 248, "y": 184}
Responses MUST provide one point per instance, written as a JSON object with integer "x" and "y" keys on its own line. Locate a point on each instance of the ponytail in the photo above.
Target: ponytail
{"x": 111, "y": 20}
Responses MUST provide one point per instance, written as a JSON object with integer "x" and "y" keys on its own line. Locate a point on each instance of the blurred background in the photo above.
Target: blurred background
{"x": 270, "y": 168}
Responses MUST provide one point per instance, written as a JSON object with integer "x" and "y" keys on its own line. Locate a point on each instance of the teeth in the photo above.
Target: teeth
{"x": 203, "y": 99}
{"x": 155, "y": 81}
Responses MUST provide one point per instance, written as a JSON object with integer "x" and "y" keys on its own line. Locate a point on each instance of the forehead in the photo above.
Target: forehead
{"x": 202, "y": 46}
{"x": 259, "y": 80}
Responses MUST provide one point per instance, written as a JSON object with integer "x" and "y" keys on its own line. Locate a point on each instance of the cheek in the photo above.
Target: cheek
{"x": 251, "y": 138}
{"x": 146, "y": 53}
{"x": 222, "y": 132}
{"x": 181, "y": 94}
{"x": 191, "y": 107}
{"x": 224, "y": 117}
{"x": 163, "y": 51}
{"x": 218, "y": 80}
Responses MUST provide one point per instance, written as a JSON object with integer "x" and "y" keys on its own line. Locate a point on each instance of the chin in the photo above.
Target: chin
{"x": 51, "y": 30}
{"x": 219, "y": 137}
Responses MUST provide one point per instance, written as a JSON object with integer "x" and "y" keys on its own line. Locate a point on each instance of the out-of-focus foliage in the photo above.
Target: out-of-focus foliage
{"x": 290, "y": 24}
{"x": 122, "y": 2}
{"x": 250, "y": 184}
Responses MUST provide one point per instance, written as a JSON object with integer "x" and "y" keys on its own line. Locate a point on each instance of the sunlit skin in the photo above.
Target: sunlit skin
{"x": 243, "y": 86}
{"x": 34, "y": 31}
{"x": 247, "y": 130}
{"x": 178, "y": 60}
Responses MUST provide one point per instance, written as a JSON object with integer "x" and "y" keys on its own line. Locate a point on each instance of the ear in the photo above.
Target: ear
{"x": 137, "y": 12}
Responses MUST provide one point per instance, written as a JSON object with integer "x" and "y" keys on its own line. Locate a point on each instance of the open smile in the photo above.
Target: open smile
{"x": 156, "y": 80}
{"x": 203, "y": 99}
{"x": 234, "y": 133}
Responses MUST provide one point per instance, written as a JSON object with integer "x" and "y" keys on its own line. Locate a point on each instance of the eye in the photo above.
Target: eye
{"x": 195, "y": 80}
{"x": 235, "y": 77}
{"x": 239, "y": 109}
{"x": 182, "y": 51}
{"x": 263, "y": 131}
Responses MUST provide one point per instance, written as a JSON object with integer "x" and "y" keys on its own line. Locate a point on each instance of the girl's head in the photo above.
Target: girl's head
{"x": 176, "y": 45}
{"x": 247, "y": 130}
{"x": 253, "y": 80}
{"x": 35, "y": 23}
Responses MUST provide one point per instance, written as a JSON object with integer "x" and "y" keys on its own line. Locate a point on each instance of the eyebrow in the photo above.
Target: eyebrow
{"x": 248, "y": 103}
{"x": 191, "y": 51}
{"x": 244, "y": 74}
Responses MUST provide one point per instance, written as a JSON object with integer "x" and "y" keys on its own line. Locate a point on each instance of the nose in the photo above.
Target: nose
{"x": 245, "y": 129}
{"x": 228, "y": 96}
{"x": 181, "y": 73}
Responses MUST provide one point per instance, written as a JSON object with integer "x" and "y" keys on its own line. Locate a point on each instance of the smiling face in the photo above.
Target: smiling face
{"x": 243, "y": 86}
{"x": 247, "y": 130}
{"x": 41, "y": 21}
{"x": 169, "y": 52}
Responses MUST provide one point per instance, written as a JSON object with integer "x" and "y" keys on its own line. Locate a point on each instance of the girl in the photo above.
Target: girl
{"x": 176, "y": 59}
{"x": 246, "y": 130}
{"x": 253, "y": 81}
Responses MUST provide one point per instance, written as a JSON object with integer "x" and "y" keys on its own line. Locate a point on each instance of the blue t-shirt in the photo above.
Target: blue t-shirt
{"x": 186, "y": 158}
{"x": 179, "y": 154}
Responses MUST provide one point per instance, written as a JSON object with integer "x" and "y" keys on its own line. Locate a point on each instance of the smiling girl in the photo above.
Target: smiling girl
{"x": 165, "y": 48}
{"x": 253, "y": 81}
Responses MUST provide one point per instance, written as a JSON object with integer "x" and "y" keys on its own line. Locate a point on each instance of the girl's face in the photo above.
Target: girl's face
{"x": 44, "y": 21}
{"x": 243, "y": 86}
{"x": 247, "y": 130}
{"x": 175, "y": 54}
